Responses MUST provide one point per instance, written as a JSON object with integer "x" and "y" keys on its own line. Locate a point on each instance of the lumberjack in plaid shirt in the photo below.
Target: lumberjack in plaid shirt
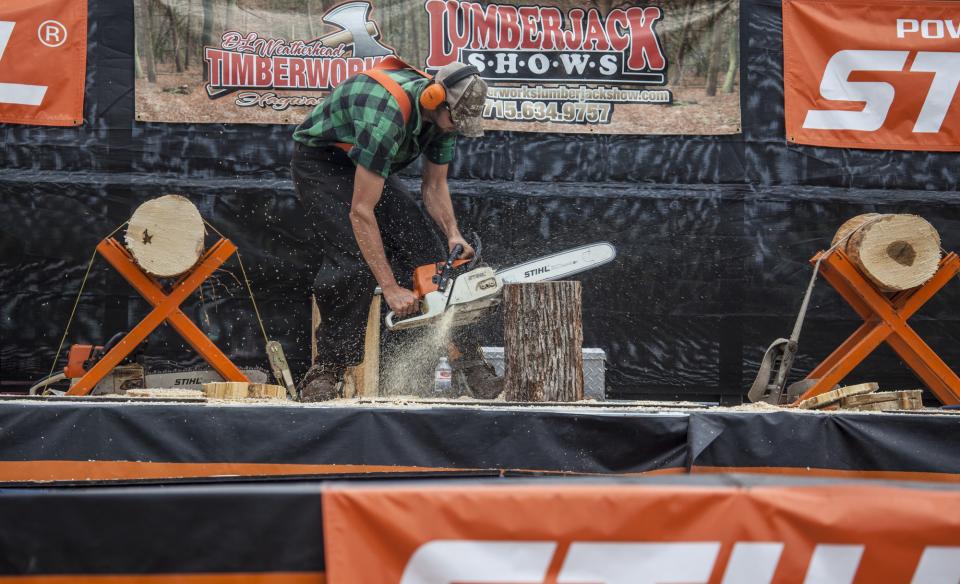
{"x": 362, "y": 112}
{"x": 371, "y": 230}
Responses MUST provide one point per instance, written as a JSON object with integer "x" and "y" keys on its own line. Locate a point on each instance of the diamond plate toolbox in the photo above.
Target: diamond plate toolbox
{"x": 594, "y": 368}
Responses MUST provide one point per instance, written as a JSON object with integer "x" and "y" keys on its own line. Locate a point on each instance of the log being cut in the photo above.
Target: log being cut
{"x": 543, "y": 341}
{"x": 895, "y": 252}
{"x": 165, "y": 236}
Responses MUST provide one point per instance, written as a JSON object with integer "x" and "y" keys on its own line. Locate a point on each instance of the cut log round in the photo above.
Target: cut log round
{"x": 266, "y": 391}
{"x": 543, "y": 340}
{"x": 226, "y": 389}
{"x": 165, "y": 236}
{"x": 885, "y": 401}
{"x": 895, "y": 252}
{"x": 833, "y": 396}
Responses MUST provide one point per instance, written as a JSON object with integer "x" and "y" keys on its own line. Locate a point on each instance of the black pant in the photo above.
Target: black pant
{"x": 323, "y": 179}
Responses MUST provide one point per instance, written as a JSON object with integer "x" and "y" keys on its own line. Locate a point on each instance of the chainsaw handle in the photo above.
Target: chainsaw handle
{"x": 391, "y": 321}
{"x": 444, "y": 278}
{"x": 477, "y": 248}
{"x": 404, "y": 322}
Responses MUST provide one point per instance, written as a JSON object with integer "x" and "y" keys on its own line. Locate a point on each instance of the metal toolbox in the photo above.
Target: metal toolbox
{"x": 594, "y": 368}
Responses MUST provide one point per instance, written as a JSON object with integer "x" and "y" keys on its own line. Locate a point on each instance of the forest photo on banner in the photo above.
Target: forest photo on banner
{"x": 559, "y": 66}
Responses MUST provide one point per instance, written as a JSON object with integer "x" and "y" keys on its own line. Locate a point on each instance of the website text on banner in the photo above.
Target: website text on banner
{"x": 872, "y": 74}
{"x": 43, "y": 56}
{"x": 567, "y": 66}
{"x": 611, "y": 534}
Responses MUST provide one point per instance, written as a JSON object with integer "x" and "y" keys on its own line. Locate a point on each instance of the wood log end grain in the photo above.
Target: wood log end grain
{"x": 894, "y": 252}
{"x": 267, "y": 391}
{"x": 165, "y": 236}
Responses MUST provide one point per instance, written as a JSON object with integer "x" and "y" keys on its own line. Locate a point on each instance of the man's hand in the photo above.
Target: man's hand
{"x": 402, "y": 301}
{"x": 459, "y": 240}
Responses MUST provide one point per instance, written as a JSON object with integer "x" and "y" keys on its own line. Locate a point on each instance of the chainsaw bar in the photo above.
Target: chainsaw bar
{"x": 474, "y": 293}
{"x": 194, "y": 379}
{"x": 560, "y": 265}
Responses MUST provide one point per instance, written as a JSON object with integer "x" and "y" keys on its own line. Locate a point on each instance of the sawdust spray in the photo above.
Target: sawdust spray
{"x": 409, "y": 362}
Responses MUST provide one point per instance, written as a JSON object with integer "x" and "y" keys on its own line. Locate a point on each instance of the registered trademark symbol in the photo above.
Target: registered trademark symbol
{"x": 52, "y": 33}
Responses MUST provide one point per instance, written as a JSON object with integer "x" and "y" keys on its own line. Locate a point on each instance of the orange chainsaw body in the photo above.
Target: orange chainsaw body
{"x": 77, "y": 359}
{"x": 423, "y": 277}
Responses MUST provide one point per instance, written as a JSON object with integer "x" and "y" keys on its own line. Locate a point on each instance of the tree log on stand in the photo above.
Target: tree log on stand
{"x": 895, "y": 252}
{"x": 165, "y": 236}
{"x": 543, "y": 339}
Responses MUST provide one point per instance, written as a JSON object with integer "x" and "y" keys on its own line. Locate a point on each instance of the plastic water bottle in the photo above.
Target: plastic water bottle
{"x": 442, "y": 378}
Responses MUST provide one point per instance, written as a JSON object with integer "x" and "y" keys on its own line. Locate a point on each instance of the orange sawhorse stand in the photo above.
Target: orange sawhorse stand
{"x": 885, "y": 321}
{"x": 165, "y": 308}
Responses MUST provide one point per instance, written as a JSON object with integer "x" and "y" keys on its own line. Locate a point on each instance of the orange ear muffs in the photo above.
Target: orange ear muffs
{"x": 433, "y": 96}
{"x": 436, "y": 93}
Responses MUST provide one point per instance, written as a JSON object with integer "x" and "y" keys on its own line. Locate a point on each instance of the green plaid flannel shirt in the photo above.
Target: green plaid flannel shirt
{"x": 362, "y": 112}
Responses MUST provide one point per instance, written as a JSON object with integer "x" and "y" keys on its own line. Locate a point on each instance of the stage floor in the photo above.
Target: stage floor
{"x": 101, "y": 440}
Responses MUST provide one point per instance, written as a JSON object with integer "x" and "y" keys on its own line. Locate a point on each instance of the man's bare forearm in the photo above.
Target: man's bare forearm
{"x": 367, "y": 232}
{"x": 436, "y": 198}
{"x": 440, "y": 208}
{"x": 367, "y": 189}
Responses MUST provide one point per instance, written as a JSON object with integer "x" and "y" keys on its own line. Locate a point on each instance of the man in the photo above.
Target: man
{"x": 370, "y": 229}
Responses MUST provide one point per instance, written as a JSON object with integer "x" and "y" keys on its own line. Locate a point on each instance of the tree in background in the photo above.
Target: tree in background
{"x": 733, "y": 58}
{"x": 144, "y": 16}
{"x": 206, "y": 38}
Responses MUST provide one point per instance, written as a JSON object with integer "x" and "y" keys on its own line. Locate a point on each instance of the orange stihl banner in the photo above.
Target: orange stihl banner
{"x": 872, "y": 74}
{"x": 43, "y": 55}
{"x": 546, "y": 533}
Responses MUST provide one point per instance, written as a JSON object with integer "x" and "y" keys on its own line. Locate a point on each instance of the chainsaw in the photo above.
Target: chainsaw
{"x": 130, "y": 374}
{"x": 466, "y": 290}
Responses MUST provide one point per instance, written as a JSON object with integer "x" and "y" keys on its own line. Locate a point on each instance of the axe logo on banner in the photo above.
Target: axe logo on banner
{"x": 543, "y": 44}
{"x": 249, "y": 61}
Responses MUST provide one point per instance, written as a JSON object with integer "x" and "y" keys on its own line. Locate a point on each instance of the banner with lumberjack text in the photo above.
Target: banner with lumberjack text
{"x": 556, "y": 66}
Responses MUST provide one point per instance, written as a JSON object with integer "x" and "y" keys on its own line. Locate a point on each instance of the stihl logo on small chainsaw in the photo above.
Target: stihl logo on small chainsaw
{"x": 536, "y": 271}
{"x": 189, "y": 381}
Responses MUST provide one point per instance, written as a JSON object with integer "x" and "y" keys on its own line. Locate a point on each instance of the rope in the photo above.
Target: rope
{"x": 798, "y": 325}
{"x": 213, "y": 228}
{"x": 76, "y": 302}
{"x": 253, "y": 301}
{"x": 246, "y": 280}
